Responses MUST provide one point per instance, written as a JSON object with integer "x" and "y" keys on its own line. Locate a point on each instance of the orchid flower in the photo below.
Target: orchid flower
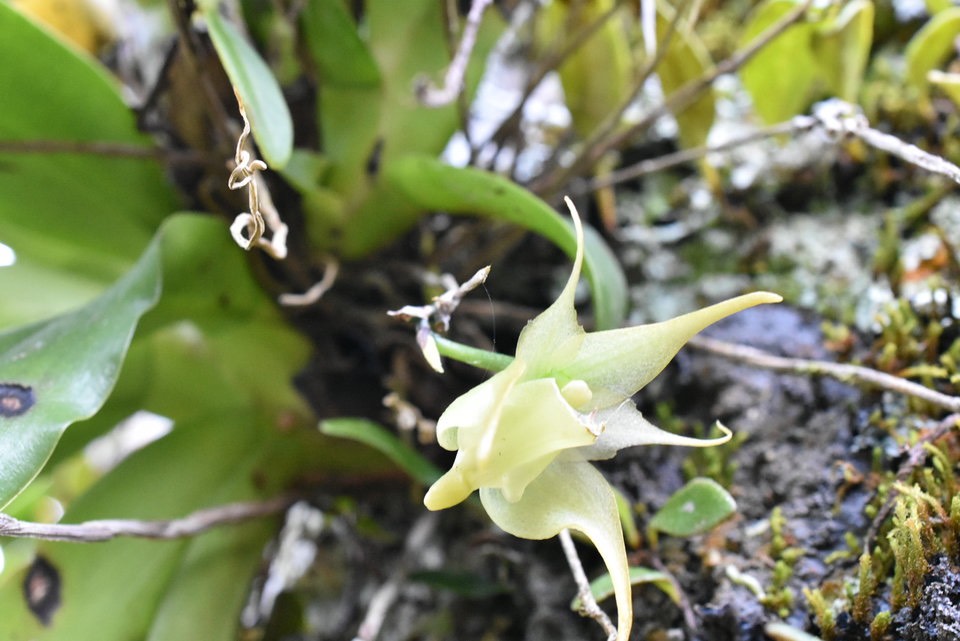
{"x": 526, "y": 436}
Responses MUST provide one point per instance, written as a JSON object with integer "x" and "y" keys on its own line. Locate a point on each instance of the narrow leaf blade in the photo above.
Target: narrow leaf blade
{"x": 269, "y": 116}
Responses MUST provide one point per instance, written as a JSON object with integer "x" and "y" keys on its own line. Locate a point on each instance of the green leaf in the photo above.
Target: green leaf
{"x": 351, "y": 94}
{"x": 598, "y": 76}
{"x": 61, "y": 371}
{"x": 120, "y": 589}
{"x": 695, "y": 508}
{"x": 262, "y": 98}
{"x": 948, "y": 83}
{"x": 408, "y": 39}
{"x": 781, "y": 77}
{"x": 377, "y": 437}
{"x": 842, "y": 47}
{"x": 602, "y": 587}
{"x": 686, "y": 60}
{"x": 194, "y": 352}
{"x": 77, "y": 222}
{"x": 422, "y": 184}
{"x": 217, "y": 356}
{"x": 930, "y": 47}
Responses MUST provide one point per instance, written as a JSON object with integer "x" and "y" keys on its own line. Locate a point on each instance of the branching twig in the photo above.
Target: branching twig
{"x": 107, "y": 529}
{"x": 840, "y": 118}
{"x": 674, "y": 103}
{"x": 840, "y": 371}
{"x": 430, "y": 95}
{"x": 642, "y": 168}
{"x": 588, "y": 605}
{"x": 263, "y": 213}
{"x": 551, "y": 61}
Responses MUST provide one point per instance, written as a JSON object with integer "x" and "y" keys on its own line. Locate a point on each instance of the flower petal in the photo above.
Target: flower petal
{"x": 553, "y": 338}
{"x": 617, "y": 363}
{"x": 625, "y": 426}
{"x": 509, "y": 448}
{"x": 571, "y": 496}
{"x": 478, "y": 408}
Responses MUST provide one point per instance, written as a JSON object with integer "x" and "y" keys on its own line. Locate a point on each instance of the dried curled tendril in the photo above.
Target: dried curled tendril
{"x": 248, "y": 228}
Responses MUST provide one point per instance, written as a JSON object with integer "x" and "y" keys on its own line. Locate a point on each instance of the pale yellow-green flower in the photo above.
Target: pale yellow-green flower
{"x": 525, "y": 437}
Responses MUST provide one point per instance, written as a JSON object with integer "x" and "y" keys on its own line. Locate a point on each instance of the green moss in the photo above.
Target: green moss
{"x": 823, "y": 613}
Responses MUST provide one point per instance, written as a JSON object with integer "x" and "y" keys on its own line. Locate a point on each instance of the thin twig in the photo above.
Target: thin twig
{"x": 840, "y": 118}
{"x": 644, "y": 167}
{"x": 107, "y": 529}
{"x": 674, "y": 103}
{"x": 614, "y": 119}
{"x": 432, "y": 96}
{"x": 588, "y": 605}
{"x": 840, "y": 371}
{"x": 104, "y": 148}
{"x": 550, "y": 62}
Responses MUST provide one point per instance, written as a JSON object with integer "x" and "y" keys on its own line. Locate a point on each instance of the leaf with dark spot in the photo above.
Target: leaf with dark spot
{"x": 41, "y": 589}
{"x": 15, "y": 399}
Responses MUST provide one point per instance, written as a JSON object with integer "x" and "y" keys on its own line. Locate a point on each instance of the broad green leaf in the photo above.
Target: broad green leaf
{"x": 262, "y": 98}
{"x": 408, "y": 40}
{"x": 76, "y": 221}
{"x": 930, "y": 47}
{"x": 351, "y": 91}
{"x": 368, "y": 112}
{"x": 61, "y": 371}
{"x": 216, "y": 356}
{"x": 781, "y": 76}
{"x": 377, "y": 437}
{"x": 422, "y": 184}
{"x": 116, "y": 590}
{"x": 695, "y": 508}
{"x": 194, "y": 353}
{"x": 686, "y": 60}
{"x": 842, "y": 47}
{"x": 598, "y": 76}
{"x": 602, "y": 587}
